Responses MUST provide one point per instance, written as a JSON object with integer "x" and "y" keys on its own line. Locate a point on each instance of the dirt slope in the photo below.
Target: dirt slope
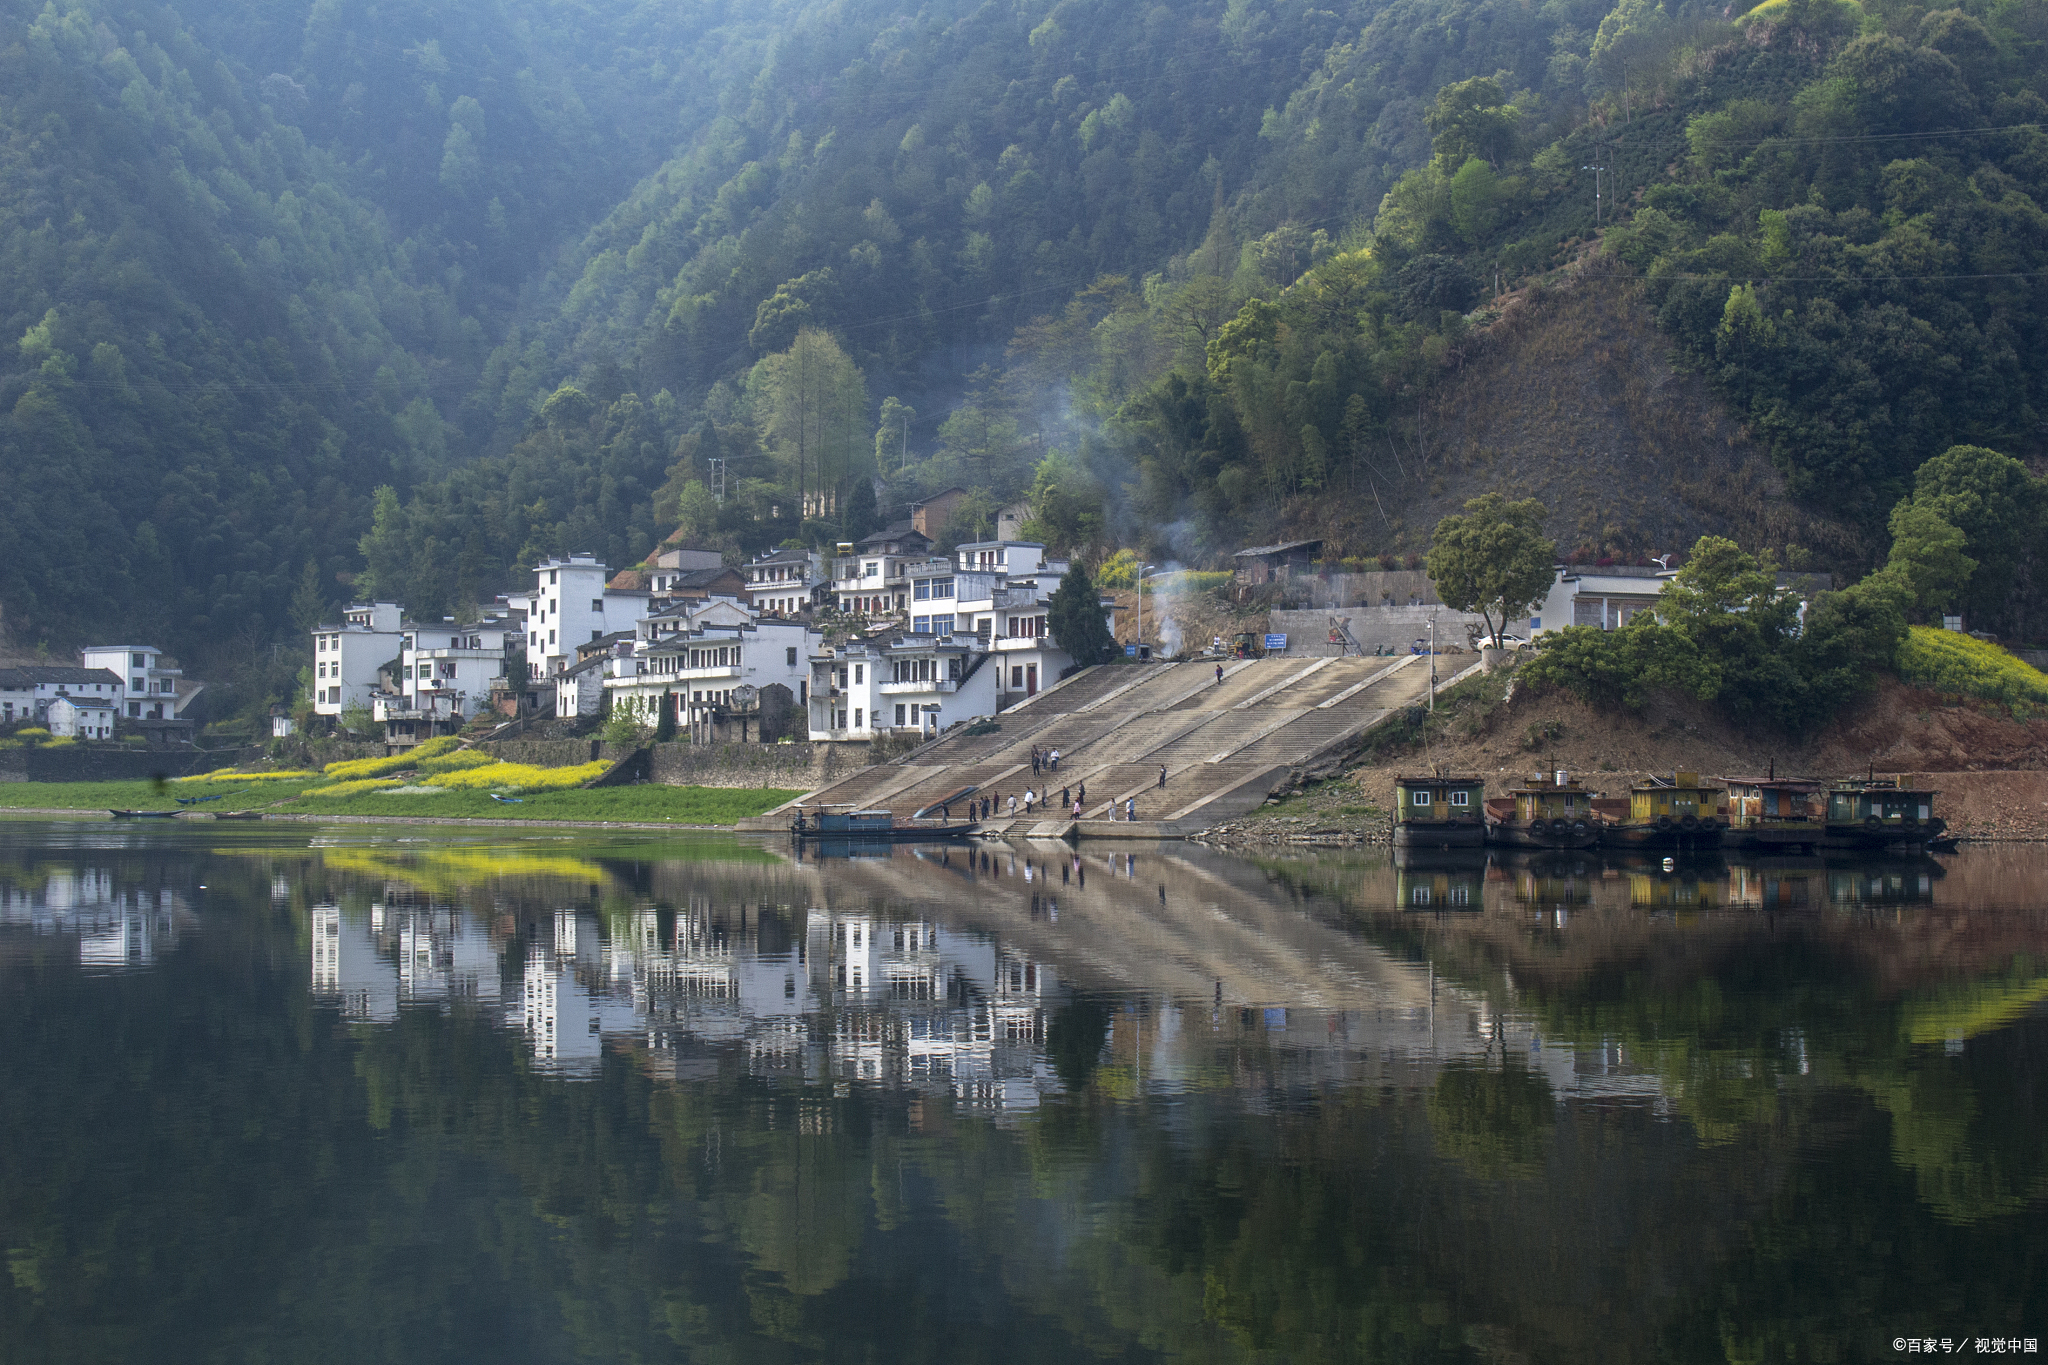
{"x": 1571, "y": 396}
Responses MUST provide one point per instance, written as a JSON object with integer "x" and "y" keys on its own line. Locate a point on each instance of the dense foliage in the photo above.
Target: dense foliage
{"x": 1180, "y": 275}
{"x": 1725, "y": 631}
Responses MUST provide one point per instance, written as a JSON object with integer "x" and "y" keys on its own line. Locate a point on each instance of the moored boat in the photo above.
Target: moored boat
{"x": 1439, "y": 811}
{"x": 1678, "y": 812}
{"x": 1550, "y": 810}
{"x": 847, "y": 822}
{"x": 1879, "y": 813}
{"x": 143, "y": 814}
{"x": 1775, "y": 814}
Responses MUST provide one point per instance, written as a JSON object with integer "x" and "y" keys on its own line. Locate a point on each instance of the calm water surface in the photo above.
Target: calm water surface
{"x": 414, "y": 1095}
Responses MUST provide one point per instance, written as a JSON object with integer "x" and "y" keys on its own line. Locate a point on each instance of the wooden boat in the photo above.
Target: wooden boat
{"x": 850, "y": 823}
{"x": 1773, "y": 814}
{"x": 1439, "y": 811}
{"x": 143, "y": 814}
{"x": 1550, "y": 810}
{"x": 1874, "y": 813}
{"x": 1677, "y": 813}
{"x": 238, "y": 815}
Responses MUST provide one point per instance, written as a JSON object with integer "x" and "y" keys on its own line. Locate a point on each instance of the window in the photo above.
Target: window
{"x": 942, "y": 625}
{"x": 1419, "y": 799}
{"x": 1461, "y": 798}
{"x": 871, "y": 570}
{"x": 856, "y": 718}
{"x": 533, "y": 637}
{"x": 597, "y": 604}
{"x": 1017, "y": 675}
{"x": 899, "y": 715}
{"x": 857, "y": 673}
{"x": 597, "y": 635}
{"x": 553, "y": 575}
{"x": 789, "y": 656}
{"x": 921, "y": 590}
{"x": 139, "y": 660}
{"x": 920, "y": 625}
{"x": 942, "y": 587}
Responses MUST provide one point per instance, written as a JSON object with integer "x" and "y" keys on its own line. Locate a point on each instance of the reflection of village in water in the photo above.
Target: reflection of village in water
{"x": 942, "y": 970}
{"x": 120, "y": 923}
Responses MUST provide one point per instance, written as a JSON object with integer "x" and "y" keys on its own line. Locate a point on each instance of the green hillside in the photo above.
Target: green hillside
{"x": 1186, "y": 274}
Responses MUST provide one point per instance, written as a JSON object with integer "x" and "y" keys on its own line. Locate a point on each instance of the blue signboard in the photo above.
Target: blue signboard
{"x": 1130, "y": 651}
{"x": 1276, "y": 642}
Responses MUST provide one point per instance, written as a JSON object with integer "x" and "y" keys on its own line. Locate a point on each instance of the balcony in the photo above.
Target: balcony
{"x": 942, "y": 685}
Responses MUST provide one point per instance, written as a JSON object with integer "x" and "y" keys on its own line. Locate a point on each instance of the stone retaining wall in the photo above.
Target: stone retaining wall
{"x": 1394, "y": 628}
{"x": 791, "y": 766}
{"x": 77, "y": 764}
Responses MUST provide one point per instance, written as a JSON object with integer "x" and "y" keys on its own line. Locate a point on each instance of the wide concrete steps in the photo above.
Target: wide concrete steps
{"x": 1223, "y": 746}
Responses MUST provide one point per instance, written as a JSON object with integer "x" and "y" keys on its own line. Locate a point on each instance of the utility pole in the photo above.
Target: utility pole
{"x": 1432, "y": 665}
{"x": 1596, "y": 170}
{"x": 717, "y": 479}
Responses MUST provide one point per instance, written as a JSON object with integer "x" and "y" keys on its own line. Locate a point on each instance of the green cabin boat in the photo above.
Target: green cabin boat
{"x": 1873, "y": 812}
{"x": 1441, "y": 810}
{"x": 1676, "y": 812}
{"x": 1550, "y": 810}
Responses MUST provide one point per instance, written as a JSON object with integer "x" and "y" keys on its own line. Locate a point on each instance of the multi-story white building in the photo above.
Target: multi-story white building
{"x": 846, "y": 689}
{"x": 571, "y": 605}
{"x": 785, "y": 583}
{"x": 870, "y": 577}
{"x": 446, "y": 669}
{"x": 703, "y": 662}
{"x": 347, "y": 657}
{"x": 155, "y": 687}
{"x": 976, "y": 643}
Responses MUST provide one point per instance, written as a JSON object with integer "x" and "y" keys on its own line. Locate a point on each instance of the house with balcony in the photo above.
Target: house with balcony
{"x": 155, "y": 688}
{"x": 870, "y": 579}
{"x": 845, "y": 696}
{"x": 446, "y": 671}
{"x": 350, "y": 657}
{"x": 702, "y": 663}
{"x": 1001, "y": 588}
{"x": 931, "y": 680}
{"x": 785, "y": 584}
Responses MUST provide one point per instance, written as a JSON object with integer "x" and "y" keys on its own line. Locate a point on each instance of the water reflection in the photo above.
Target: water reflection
{"x": 558, "y": 1097}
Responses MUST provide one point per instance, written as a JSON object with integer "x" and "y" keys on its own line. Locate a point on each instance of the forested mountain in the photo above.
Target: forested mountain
{"x": 1184, "y": 273}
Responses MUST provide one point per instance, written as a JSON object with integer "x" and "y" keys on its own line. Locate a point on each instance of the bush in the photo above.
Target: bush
{"x": 438, "y": 745}
{"x": 350, "y": 769}
{"x": 32, "y": 732}
{"x": 457, "y": 761}
{"x": 517, "y": 777}
{"x": 235, "y": 775}
{"x": 1949, "y": 661}
{"x": 368, "y": 784}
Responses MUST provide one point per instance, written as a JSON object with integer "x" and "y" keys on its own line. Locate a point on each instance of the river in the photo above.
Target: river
{"x": 411, "y": 1094}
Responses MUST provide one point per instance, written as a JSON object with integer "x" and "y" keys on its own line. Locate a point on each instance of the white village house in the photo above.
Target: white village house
{"x": 28, "y": 692}
{"x": 348, "y": 656}
{"x": 81, "y": 717}
{"x": 571, "y": 605}
{"x": 155, "y": 688}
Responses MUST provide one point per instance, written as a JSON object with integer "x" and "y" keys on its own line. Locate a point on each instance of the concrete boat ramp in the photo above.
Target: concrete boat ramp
{"x": 1225, "y": 747}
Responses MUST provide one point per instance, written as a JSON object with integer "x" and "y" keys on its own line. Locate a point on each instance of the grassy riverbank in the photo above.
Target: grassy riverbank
{"x": 655, "y": 804}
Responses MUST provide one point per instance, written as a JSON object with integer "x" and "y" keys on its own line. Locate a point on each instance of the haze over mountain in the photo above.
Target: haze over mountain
{"x": 1187, "y": 273}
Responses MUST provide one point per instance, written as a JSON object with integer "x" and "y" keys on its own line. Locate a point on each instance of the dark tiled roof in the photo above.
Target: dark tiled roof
{"x": 1258, "y": 550}
{"x": 901, "y": 530}
{"x": 36, "y": 675}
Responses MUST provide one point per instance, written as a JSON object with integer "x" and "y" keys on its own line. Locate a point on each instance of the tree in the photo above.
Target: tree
{"x": 1494, "y": 559}
{"x": 1074, "y": 618}
{"x": 386, "y": 549}
{"x": 1927, "y": 559}
{"x": 309, "y": 603}
{"x": 1996, "y": 505}
{"x": 1471, "y": 118}
{"x": 1735, "y": 626}
{"x": 665, "y": 728}
{"x": 892, "y": 434}
{"x": 810, "y": 402}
